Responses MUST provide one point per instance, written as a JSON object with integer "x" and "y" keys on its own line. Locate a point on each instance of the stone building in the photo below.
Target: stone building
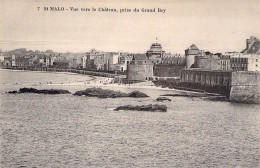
{"x": 123, "y": 60}
{"x": 7, "y": 62}
{"x": 13, "y": 62}
{"x": 24, "y": 61}
{"x": 252, "y": 46}
{"x": 94, "y": 60}
{"x": 170, "y": 66}
{"x": 245, "y": 62}
{"x": 49, "y": 61}
{"x": 155, "y": 53}
{"x": 248, "y": 59}
{"x": 97, "y": 60}
{"x": 113, "y": 60}
{"x": 84, "y": 62}
{"x": 190, "y": 54}
{"x": 74, "y": 63}
{"x": 212, "y": 62}
{"x": 92, "y": 54}
{"x": 140, "y": 69}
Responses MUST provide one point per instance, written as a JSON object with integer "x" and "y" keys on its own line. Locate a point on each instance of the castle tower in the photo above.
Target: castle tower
{"x": 190, "y": 54}
{"x": 252, "y": 46}
{"x": 251, "y": 41}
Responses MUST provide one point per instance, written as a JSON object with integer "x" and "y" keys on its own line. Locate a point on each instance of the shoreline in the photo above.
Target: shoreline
{"x": 68, "y": 70}
{"x": 106, "y": 82}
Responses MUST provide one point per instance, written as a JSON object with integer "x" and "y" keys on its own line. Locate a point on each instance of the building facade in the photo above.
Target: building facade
{"x": 140, "y": 70}
{"x": 84, "y": 62}
{"x": 245, "y": 62}
{"x": 155, "y": 53}
{"x": 170, "y": 66}
{"x": 212, "y": 62}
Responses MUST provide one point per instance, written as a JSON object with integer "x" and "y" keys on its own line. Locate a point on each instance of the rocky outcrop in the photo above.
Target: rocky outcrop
{"x": 137, "y": 94}
{"x": 150, "y": 107}
{"x": 12, "y": 92}
{"x": 100, "y": 93}
{"x": 163, "y": 99}
{"x": 106, "y": 93}
{"x": 44, "y": 91}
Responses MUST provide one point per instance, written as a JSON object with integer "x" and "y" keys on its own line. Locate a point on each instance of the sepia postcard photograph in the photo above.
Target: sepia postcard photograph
{"x": 130, "y": 84}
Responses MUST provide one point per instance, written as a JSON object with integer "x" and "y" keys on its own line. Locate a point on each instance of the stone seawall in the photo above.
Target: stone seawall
{"x": 245, "y": 87}
{"x": 207, "y": 80}
{"x": 242, "y": 86}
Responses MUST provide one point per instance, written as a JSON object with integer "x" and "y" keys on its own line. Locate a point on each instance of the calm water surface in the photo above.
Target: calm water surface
{"x": 70, "y": 131}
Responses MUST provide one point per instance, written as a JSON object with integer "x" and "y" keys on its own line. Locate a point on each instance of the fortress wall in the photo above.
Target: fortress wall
{"x": 139, "y": 72}
{"x": 209, "y": 81}
{"x": 167, "y": 71}
{"x": 245, "y": 87}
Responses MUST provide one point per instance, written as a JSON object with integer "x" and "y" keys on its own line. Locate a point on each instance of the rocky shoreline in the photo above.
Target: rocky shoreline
{"x": 150, "y": 107}
{"x": 44, "y": 91}
{"x": 106, "y": 93}
{"x": 90, "y": 92}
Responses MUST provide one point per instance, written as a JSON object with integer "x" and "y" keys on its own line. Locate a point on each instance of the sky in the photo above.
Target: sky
{"x": 215, "y": 26}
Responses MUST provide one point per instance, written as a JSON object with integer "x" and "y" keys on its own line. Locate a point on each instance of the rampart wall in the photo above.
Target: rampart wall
{"x": 245, "y": 87}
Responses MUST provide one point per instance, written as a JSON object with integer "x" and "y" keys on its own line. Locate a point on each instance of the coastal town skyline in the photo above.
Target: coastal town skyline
{"x": 119, "y": 50}
{"x": 214, "y": 26}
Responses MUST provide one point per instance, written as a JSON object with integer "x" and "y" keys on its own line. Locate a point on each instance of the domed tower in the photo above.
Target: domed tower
{"x": 155, "y": 50}
{"x": 155, "y": 53}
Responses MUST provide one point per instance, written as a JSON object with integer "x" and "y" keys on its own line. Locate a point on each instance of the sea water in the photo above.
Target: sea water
{"x": 40, "y": 130}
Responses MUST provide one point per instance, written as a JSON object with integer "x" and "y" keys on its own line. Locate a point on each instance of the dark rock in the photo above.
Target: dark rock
{"x": 53, "y": 91}
{"x": 137, "y": 94}
{"x": 105, "y": 93}
{"x": 44, "y": 91}
{"x": 100, "y": 93}
{"x": 150, "y": 107}
{"x": 28, "y": 90}
{"x": 163, "y": 99}
{"x": 12, "y": 92}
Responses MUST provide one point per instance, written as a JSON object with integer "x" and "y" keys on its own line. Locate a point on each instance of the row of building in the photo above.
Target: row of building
{"x": 157, "y": 65}
{"x": 138, "y": 67}
{"x": 32, "y": 59}
{"x": 120, "y": 61}
{"x": 247, "y": 60}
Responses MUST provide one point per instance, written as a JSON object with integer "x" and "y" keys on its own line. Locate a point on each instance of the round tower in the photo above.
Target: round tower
{"x": 190, "y": 54}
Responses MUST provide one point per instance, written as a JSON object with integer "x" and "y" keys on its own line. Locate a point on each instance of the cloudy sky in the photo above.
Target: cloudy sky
{"x": 216, "y": 26}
